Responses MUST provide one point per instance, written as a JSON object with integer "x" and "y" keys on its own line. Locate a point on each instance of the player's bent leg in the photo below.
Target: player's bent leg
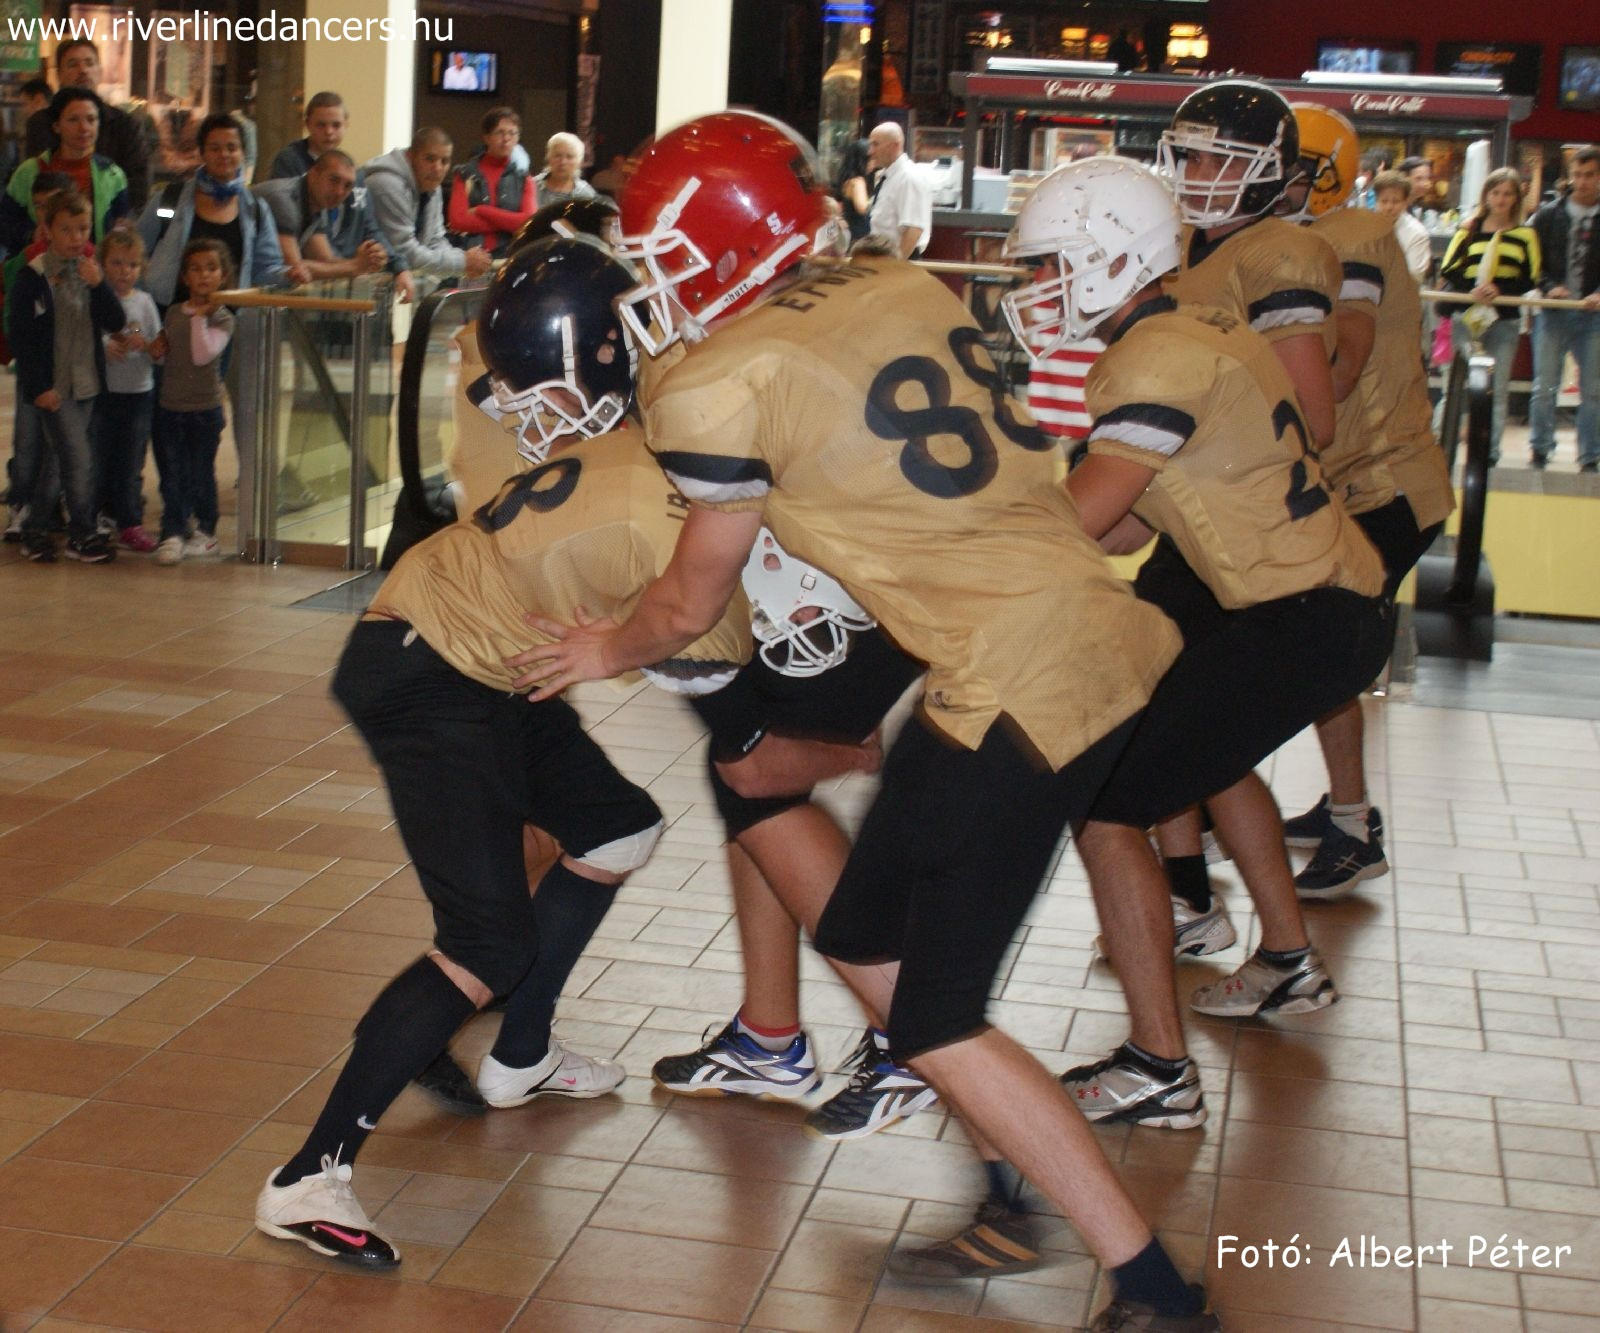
{"x": 1285, "y": 973}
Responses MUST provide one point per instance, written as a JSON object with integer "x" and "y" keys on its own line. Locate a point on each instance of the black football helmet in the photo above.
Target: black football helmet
{"x": 1234, "y": 121}
{"x": 596, "y": 216}
{"x": 558, "y": 357}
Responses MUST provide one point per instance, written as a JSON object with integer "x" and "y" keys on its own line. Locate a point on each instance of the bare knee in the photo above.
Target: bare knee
{"x": 465, "y": 981}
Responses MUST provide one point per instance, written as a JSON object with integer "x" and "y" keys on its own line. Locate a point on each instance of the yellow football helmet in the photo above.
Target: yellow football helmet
{"x": 1330, "y": 157}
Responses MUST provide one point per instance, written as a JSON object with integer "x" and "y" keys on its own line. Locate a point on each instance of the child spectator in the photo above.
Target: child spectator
{"x": 59, "y": 305}
{"x": 25, "y": 429}
{"x": 188, "y": 422}
{"x": 122, "y": 417}
{"x": 1390, "y": 191}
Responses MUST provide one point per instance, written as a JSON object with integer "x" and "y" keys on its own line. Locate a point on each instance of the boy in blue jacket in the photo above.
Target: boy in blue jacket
{"x": 59, "y": 305}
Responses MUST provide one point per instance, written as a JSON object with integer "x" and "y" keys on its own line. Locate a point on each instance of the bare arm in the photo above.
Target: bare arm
{"x": 910, "y": 238}
{"x": 1306, "y": 360}
{"x": 1105, "y": 488}
{"x": 855, "y": 190}
{"x": 678, "y": 608}
{"x": 1356, "y": 331}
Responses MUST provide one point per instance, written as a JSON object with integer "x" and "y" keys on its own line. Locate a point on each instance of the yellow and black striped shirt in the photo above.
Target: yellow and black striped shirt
{"x": 1517, "y": 265}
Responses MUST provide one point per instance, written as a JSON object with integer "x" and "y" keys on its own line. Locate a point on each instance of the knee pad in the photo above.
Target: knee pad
{"x": 621, "y": 855}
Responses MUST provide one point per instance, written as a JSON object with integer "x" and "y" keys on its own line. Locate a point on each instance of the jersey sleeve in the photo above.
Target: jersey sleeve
{"x": 704, "y": 428}
{"x": 1144, "y": 401}
{"x": 1291, "y": 285}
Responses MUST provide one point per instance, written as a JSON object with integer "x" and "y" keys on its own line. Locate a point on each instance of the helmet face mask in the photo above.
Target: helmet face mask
{"x": 801, "y": 617}
{"x": 1108, "y": 226}
{"x": 1246, "y": 134}
{"x": 557, "y": 407}
{"x": 718, "y": 208}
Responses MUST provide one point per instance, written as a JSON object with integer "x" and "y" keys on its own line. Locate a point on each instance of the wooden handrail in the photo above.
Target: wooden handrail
{"x": 1537, "y": 302}
{"x": 256, "y": 297}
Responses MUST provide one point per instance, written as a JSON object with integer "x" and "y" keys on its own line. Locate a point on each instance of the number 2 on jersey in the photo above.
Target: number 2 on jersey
{"x": 1305, "y": 496}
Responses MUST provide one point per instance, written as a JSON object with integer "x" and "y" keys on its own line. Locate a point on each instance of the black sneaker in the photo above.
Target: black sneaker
{"x": 1341, "y": 862}
{"x": 1306, "y": 832}
{"x": 95, "y": 549}
{"x": 880, "y": 1094}
{"x": 1538, "y": 462}
{"x": 449, "y": 1085}
{"x": 998, "y": 1242}
{"x": 1131, "y": 1317}
{"x": 39, "y": 547}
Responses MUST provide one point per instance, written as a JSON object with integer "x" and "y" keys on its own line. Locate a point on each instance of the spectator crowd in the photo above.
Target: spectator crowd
{"x": 111, "y": 283}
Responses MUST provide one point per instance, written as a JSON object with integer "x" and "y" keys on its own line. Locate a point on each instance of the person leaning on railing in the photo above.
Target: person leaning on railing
{"x": 404, "y": 189}
{"x": 1492, "y": 255}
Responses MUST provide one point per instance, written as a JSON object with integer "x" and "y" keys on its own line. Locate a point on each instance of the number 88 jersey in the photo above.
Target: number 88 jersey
{"x": 858, "y": 410}
{"x": 1193, "y": 394}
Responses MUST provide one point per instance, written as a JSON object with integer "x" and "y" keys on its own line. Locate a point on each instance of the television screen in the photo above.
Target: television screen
{"x": 455, "y": 71}
{"x": 1580, "y": 78}
{"x": 1516, "y": 64}
{"x": 1337, "y": 55}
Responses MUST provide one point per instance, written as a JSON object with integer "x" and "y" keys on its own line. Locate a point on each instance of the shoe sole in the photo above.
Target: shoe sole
{"x": 572, "y": 1094}
{"x": 945, "y": 1279}
{"x": 354, "y": 1260}
{"x": 765, "y": 1092}
{"x": 1376, "y": 871}
{"x": 447, "y": 1101}
{"x": 915, "y": 1107}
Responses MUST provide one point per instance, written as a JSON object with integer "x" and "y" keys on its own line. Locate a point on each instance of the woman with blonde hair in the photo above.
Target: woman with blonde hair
{"x": 559, "y": 181}
{"x": 1492, "y": 255}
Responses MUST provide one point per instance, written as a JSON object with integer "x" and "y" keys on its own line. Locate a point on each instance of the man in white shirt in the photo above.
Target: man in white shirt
{"x": 460, "y": 77}
{"x": 1391, "y": 190}
{"x": 902, "y": 207}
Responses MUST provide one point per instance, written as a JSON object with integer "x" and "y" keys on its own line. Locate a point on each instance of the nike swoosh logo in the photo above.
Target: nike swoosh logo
{"x": 570, "y": 1082}
{"x": 364, "y": 1123}
{"x": 356, "y": 1238}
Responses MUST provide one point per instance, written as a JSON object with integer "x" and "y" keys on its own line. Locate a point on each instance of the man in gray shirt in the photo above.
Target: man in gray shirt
{"x": 1569, "y": 243}
{"x": 404, "y": 193}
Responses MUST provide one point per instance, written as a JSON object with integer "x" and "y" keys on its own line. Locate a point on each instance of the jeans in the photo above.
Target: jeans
{"x": 121, "y": 431}
{"x": 1501, "y": 343}
{"x": 64, "y": 440}
{"x": 1555, "y": 333}
{"x": 185, "y": 446}
{"x": 29, "y": 460}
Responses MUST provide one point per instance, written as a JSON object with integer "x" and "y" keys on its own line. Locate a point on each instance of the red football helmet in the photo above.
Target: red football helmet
{"x": 718, "y": 208}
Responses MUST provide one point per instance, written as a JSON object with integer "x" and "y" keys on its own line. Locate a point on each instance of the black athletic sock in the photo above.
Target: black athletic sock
{"x": 568, "y": 910}
{"x": 408, "y": 1024}
{"x": 1005, "y": 1185}
{"x": 1158, "y": 1065}
{"x": 1286, "y": 959}
{"x": 1187, "y": 878}
{"x": 1150, "y": 1279}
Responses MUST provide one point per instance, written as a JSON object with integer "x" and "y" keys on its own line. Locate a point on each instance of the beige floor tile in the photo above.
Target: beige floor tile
{"x": 658, "y": 1274}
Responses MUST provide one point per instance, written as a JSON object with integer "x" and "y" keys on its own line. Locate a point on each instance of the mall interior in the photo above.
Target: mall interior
{"x": 203, "y": 888}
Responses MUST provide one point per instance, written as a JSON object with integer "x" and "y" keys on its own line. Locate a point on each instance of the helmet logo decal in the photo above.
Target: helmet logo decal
{"x": 774, "y": 224}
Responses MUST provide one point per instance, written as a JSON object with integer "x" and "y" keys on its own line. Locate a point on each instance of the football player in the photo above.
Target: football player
{"x": 1196, "y": 435}
{"x": 1384, "y": 465}
{"x": 852, "y": 410}
{"x": 1231, "y": 151}
{"x": 468, "y": 764}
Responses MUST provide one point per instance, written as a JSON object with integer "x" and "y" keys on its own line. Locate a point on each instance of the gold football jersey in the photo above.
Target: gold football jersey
{"x": 591, "y": 526}
{"x": 858, "y": 409}
{"x": 1195, "y": 395}
{"x": 1384, "y": 444}
{"x": 484, "y": 453}
{"x": 1278, "y": 278}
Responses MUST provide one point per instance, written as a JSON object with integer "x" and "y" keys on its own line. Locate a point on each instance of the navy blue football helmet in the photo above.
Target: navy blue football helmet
{"x": 595, "y": 216}
{"x": 559, "y": 359}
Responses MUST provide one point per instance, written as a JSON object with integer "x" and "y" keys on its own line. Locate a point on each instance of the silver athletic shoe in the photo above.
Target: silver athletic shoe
{"x": 1260, "y": 988}
{"x": 1193, "y": 933}
{"x": 1122, "y": 1088}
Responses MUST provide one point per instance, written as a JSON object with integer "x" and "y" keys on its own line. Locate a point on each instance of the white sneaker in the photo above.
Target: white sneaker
{"x": 201, "y": 545}
{"x": 1193, "y": 933}
{"x": 323, "y": 1213}
{"x": 561, "y": 1073}
{"x": 169, "y": 551}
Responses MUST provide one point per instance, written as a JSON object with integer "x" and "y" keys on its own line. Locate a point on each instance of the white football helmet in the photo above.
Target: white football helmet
{"x": 801, "y": 617}
{"x": 1086, "y": 216}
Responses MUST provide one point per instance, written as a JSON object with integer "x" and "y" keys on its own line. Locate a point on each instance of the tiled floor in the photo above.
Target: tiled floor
{"x": 200, "y": 892}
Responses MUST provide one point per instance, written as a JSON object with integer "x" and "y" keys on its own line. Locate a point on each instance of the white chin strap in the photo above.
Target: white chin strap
{"x": 801, "y": 617}
{"x": 542, "y": 419}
